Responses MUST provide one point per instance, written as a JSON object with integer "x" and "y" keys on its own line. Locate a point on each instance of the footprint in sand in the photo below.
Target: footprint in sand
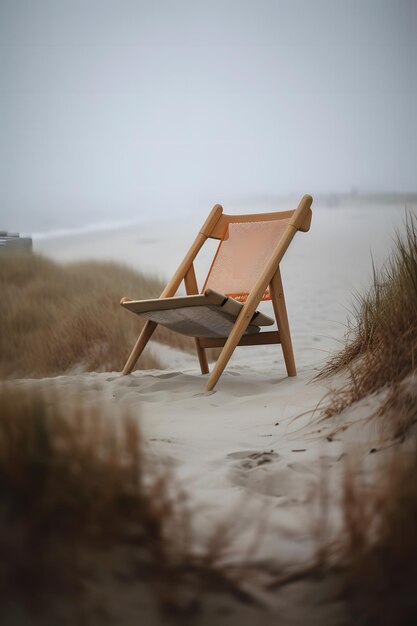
{"x": 259, "y": 472}
{"x": 249, "y": 459}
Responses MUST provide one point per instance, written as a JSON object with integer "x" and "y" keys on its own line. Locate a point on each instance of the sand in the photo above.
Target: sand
{"x": 251, "y": 455}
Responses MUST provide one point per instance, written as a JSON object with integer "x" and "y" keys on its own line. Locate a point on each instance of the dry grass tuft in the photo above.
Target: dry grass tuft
{"x": 380, "y": 545}
{"x": 78, "y": 502}
{"x": 58, "y": 317}
{"x": 71, "y": 482}
{"x": 381, "y": 345}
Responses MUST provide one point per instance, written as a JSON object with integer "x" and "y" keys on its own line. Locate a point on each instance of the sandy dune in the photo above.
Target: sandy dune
{"x": 258, "y": 470}
{"x": 250, "y": 455}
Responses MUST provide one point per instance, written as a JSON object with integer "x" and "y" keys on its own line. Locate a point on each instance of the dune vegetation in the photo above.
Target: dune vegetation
{"x": 84, "y": 514}
{"x": 381, "y": 345}
{"x": 57, "y": 318}
{"x": 379, "y": 542}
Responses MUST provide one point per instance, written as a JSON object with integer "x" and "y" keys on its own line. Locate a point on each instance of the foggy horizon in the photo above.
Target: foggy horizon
{"x": 115, "y": 111}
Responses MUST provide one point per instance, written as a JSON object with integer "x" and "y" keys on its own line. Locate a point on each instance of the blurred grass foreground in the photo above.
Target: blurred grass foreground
{"x": 89, "y": 529}
{"x": 60, "y": 318}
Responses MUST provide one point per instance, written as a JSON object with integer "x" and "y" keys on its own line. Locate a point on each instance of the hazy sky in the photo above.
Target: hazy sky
{"x": 111, "y": 109}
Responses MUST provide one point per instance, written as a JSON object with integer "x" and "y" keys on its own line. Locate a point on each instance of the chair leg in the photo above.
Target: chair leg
{"x": 235, "y": 336}
{"x": 145, "y": 335}
{"x": 202, "y": 357}
{"x": 191, "y": 287}
{"x": 280, "y": 310}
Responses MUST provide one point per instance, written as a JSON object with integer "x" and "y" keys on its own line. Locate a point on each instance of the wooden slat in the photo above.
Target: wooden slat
{"x": 278, "y": 302}
{"x": 302, "y": 217}
{"x": 191, "y": 287}
{"x": 260, "y": 339}
{"x": 212, "y": 220}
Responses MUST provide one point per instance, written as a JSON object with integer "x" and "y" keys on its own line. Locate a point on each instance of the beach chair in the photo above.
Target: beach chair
{"x": 245, "y": 270}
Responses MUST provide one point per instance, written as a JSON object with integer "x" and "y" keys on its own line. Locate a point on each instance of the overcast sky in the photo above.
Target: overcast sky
{"x": 112, "y": 109}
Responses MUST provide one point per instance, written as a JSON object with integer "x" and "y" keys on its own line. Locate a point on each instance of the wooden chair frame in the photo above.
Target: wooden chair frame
{"x": 214, "y": 227}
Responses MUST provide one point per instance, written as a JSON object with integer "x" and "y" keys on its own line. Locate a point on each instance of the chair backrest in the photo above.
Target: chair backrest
{"x": 246, "y": 245}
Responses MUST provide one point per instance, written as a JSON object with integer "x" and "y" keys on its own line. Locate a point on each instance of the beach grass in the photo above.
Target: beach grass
{"x": 83, "y": 509}
{"x": 59, "y": 318}
{"x": 379, "y": 537}
{"x": 73, "y": 482}
{"x": 381, "y": 344}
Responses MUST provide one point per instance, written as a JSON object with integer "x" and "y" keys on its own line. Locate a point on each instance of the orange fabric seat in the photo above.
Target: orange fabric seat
{"x": 241, "y": 255}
